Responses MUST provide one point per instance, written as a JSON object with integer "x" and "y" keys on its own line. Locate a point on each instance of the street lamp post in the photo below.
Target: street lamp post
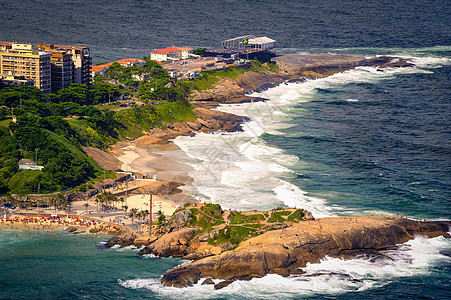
{"x": 150, "y": 211}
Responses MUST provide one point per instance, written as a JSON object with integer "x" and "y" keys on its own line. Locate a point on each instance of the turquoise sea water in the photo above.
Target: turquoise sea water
{"x": 66, "y": 266}
{"x": 59, "y": 265}
{"x": 361, "y": 142}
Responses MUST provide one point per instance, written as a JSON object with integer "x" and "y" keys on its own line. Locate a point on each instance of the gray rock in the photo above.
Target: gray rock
{"x": 307, "y": 216}
{"x": 181, "y": 218}
{"x": 204, "y": 237}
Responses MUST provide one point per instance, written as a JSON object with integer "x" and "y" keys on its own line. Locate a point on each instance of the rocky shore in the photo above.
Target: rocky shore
{"x": 286, "y": 251}
{"x": 292, "y": 68}
{"x": 232, "y": 245}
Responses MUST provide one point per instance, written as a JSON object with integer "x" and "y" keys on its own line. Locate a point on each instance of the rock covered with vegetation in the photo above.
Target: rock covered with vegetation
{"x": 200, "y": 231}
{"x": 286, "y": 251}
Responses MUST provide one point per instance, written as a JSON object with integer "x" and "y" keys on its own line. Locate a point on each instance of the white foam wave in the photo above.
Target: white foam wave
{"x": 126, "y": 248}
{"x": 149, "y": 256}
{"x": 292, "y": 196}
{"x": 240, "y": 171}
{"x": 329, "y": 277}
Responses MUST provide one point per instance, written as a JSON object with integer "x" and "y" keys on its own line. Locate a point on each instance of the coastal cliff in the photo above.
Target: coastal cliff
{"x": 286, "y": 250}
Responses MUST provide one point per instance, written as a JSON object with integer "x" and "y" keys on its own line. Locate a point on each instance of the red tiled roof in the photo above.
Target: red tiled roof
{"x": 122, "y": 62}
{"x": 97, "y": 68}
{"x": 104, "y": 65}
{"x": 129, "y": 61}
{"x": 169, "y": 50}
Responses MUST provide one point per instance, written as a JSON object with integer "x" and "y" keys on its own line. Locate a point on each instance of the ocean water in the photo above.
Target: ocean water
{"x": 364, "y": 141}
{"x": 360, "y": 142}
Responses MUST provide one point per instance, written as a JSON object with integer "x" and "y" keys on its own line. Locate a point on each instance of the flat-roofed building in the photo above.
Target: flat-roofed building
{"x": 62, "y": 67}
{"x": 81, "y": 56}
{"x": 62, "y": 70}
{"x": 28, "y": 61}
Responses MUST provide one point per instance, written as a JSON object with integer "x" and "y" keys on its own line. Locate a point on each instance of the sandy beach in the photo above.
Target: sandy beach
{"x": 165, "y": 165}
{"x": 165, "y": 161}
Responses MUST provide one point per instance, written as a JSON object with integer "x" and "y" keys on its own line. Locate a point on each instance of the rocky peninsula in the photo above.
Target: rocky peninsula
{"x": 231, "y": 245}
{"x": 290, "y": 68}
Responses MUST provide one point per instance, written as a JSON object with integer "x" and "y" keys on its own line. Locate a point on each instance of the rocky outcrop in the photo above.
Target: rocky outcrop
{"x": 172, "y": 244}
{"x": 207, "y": 121}
{"x": 181, "y": 218}
{"x": 292, "y": 68}
{"x": 285, "y": 251}
{"x": 106, "y": 160}
{"x": 321, "y": 63}
{"x": 122, "y": 240}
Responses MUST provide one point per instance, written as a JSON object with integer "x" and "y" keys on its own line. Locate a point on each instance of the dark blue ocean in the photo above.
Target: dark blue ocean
{"x": 365, "y": 141}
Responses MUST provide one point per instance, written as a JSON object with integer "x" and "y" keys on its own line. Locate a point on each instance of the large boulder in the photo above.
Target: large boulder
{"x": 182, "y": 277}
{"x": 141, "y": 241}
{"x": 171, "y": 244}
{"x": 181, "y": 218}
{"x": 123, "y": 240}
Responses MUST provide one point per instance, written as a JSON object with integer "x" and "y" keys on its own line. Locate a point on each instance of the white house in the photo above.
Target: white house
{"x": 28, "y": 164}
{"x": 174, "y": 53}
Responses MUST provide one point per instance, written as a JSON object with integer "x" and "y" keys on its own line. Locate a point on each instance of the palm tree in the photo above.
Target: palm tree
{"x": 133, "y": 213}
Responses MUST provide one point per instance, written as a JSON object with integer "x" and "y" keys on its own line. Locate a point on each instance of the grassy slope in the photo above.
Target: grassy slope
{"x": 207, "y": 79}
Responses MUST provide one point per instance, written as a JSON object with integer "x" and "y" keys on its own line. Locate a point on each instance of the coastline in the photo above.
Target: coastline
{"x": 155, "y": 154}
{"x": 183, "y": 238}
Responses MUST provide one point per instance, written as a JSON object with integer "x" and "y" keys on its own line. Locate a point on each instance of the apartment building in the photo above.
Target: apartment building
{"x": 67, "y": 64}
{"x": 62, "y": 70}
{"x": 26, "y": 61}
{"x": 81, "y": 56}
{"x": 62, "y": 67}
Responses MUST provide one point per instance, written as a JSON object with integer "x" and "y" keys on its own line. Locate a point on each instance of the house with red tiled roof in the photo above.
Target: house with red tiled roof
{"x": 126, "y": 62}
{"x": 173, "y": 53}
{"x": 28, "y": 164}
{"x": 101, "y": 70}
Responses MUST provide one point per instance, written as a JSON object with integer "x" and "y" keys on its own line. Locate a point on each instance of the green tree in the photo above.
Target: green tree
{"x": 77, "y": 93}
{"x": 199, "y": 51}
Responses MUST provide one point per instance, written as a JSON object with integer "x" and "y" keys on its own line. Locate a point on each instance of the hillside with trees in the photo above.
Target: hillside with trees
{"x": 52, "y": 129}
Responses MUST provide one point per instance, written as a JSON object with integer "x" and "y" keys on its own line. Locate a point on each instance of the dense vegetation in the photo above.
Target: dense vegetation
{"x": 207, "y": 79}
{"x": 234, "y": 227}
{"x": 52, "y": 129}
